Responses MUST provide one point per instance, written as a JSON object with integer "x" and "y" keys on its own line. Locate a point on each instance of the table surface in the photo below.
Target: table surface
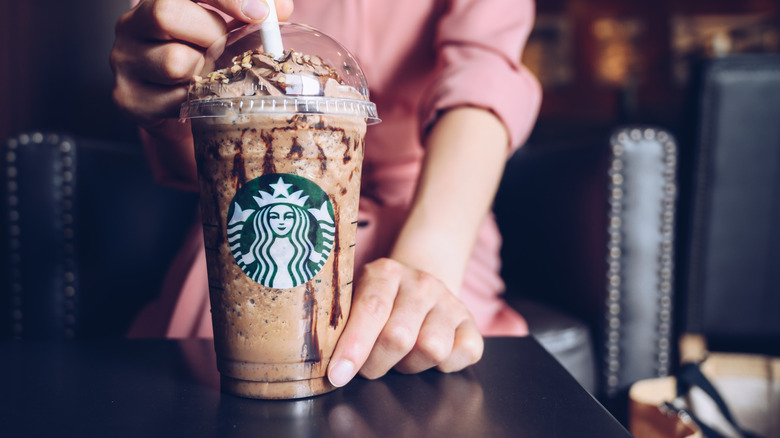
{"x": 148, "y": 388}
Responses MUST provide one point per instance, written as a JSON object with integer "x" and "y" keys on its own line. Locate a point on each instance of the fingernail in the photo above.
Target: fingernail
{"x": 255, "y": 9}
{"x": 341, "y": 373}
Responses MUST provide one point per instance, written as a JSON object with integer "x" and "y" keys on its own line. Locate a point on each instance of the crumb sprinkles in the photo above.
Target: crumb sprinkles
{"x": 291, "y": 62}
{"x": 255, "y": 73}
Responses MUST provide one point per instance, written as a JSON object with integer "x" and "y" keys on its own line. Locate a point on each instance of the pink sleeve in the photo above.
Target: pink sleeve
{"x": 479, "y": 45}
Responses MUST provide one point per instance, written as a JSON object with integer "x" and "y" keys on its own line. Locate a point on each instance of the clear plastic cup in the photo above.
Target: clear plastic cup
{"x": 279, "y": 146}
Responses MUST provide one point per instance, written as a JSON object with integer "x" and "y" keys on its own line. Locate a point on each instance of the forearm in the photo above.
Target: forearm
{"x": 171, "y": 155}
{"x": 465, "y": 156}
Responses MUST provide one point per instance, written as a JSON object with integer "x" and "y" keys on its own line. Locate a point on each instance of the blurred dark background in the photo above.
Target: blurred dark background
{"x": 609, "y": 62}
{"x": 55, "y": 73}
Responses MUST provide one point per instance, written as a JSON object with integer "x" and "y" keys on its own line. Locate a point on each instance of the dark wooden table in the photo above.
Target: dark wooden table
{"x": 170, "y": 389}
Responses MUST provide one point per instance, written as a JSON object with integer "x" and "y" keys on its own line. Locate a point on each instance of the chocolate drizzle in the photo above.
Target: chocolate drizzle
{"x": 311, "y": 342}
{"x": 323, "y": 159}
{"x": 216, "y": 218}
{"x": 347, "y": 150}
{"x": 296, "y": 150}
{"x": 268, "y": 159}
{"x": 239, "y": 169}
{"x": 335, "y": 312}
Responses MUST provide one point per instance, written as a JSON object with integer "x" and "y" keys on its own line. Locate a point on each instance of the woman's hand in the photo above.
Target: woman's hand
{"x": 405, "y": 313}
{"x": 161, "y": 44}
{"x": 406, "y": 319}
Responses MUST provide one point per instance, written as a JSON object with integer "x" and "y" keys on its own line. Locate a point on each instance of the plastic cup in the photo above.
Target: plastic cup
{"x": 279, "y": 170}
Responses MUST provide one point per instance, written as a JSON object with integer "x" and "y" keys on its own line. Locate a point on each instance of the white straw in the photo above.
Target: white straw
{"x": 272, "y": 38}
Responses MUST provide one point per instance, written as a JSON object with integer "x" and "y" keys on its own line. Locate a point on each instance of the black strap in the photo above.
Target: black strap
{"x": 690, "y": 376}
{"x": 686, "y": 414}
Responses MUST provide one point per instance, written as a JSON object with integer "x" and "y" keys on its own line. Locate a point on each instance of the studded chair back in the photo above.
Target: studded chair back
{"x": 642, "y": 194}
{"x": 589, "y": 229}
{"x": 86, "y": 236}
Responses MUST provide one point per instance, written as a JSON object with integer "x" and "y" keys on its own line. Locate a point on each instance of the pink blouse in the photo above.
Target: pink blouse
{"x": 420, "y": 57}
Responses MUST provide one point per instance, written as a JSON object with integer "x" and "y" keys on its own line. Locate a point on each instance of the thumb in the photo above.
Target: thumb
{"x": 284, "y": 8}
{"x": 252, "y": 11}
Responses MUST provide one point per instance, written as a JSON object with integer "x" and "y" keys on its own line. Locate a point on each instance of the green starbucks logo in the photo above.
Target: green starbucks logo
{"x": 281, "y": 229}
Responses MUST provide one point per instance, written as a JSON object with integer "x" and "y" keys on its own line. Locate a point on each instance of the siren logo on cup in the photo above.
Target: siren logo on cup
{"x": 281, "y": 229}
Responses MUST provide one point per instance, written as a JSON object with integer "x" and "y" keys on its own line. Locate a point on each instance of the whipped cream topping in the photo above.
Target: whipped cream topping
{"x": 255, "y": 73}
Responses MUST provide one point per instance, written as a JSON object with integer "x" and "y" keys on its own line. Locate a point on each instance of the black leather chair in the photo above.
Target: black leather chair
{"x": 87, "y": 236}
{"x": 730, "y": 259}
{"x": 588, "y": 255}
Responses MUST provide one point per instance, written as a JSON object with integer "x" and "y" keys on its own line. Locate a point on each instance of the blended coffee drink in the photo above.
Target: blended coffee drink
{"x": 279, "y": 147}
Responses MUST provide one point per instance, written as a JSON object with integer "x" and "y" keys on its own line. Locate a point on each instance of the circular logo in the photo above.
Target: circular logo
{"x": 280, "y": 229}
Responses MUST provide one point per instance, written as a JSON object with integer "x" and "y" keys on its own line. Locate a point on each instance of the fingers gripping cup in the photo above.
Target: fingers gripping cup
{"x": 279, "y": 147}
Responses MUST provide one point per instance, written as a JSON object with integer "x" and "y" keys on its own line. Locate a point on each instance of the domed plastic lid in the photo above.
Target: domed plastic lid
{"x": 315, "y": 74}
